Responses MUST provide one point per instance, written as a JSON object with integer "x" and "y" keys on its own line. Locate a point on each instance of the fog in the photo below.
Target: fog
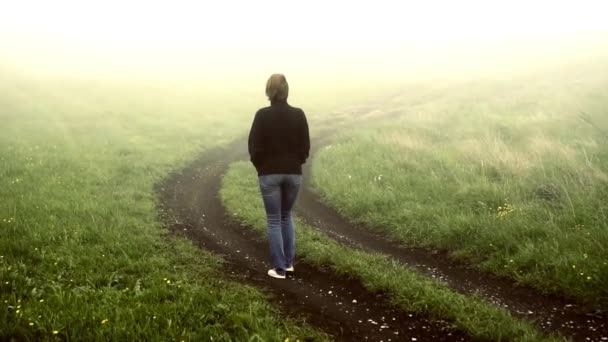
{"x": 315, "y": 40}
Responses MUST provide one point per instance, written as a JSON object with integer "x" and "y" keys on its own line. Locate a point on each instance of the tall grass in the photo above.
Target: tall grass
{"x": 502, "y": 173}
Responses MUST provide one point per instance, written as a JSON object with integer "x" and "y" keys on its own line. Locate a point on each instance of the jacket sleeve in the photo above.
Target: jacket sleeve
{"x": 255, "y": 141}
{"x": 305, "y": 139}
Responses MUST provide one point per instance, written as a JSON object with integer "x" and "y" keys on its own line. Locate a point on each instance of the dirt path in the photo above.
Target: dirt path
{"x": 340, "y": 306}
{"x": 325, "y": 299}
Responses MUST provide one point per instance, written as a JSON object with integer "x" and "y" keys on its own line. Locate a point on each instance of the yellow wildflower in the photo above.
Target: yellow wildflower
{"x": 104, "y": 321}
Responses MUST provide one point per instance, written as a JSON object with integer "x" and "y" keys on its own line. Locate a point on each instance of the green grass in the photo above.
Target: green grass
{"x": 83, "y": 255}
{"x": 504, "y": 174}
{"x": 407, "y": 289}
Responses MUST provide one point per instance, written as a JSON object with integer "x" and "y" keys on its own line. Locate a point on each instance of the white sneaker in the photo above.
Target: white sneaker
{"x": 289, "y": 269}
{"x": 273, "y": 273}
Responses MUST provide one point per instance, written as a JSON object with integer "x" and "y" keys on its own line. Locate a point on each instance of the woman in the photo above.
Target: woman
{"x": 278, "y": 146}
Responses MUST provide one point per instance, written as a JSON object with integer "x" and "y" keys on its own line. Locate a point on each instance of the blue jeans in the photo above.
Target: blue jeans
{"x": 279, "y": 192}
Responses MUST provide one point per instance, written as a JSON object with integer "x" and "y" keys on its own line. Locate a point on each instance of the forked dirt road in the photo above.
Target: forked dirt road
{"x": 340, "y": 306}
{"x": 337, "y": 305}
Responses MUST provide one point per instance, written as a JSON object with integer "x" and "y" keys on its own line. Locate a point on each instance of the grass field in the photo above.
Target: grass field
{"x": 508, "y": 174}
{"x": 407, "y": 289}
{"x": 83, "y": 255}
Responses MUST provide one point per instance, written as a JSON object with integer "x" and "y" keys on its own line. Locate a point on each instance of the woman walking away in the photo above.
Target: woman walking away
{"x": 278, "y": 146}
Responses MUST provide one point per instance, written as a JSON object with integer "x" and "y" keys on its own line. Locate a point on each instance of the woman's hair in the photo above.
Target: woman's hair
{"x": 277, "y": 88}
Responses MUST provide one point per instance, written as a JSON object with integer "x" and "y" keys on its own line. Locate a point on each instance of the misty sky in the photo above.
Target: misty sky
{"x": 178, "y": 35}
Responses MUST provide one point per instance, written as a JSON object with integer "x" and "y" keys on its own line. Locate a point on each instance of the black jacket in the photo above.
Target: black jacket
{"x": 278, "y": 141}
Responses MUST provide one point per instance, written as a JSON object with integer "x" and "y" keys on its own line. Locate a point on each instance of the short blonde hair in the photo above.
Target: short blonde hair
{"x": 277, "y": 88}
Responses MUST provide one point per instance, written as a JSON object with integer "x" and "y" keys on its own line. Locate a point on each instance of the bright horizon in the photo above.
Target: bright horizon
{"x": 244, "y": 36}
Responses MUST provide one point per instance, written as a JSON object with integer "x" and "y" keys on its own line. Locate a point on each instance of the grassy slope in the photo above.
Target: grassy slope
{"x": 82, "y": 254}
{"x": 408, "y": 290}
{"x": 503, "y": 173}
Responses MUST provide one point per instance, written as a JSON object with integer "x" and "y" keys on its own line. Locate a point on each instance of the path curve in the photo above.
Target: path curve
{"x": 342, "y": 307}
